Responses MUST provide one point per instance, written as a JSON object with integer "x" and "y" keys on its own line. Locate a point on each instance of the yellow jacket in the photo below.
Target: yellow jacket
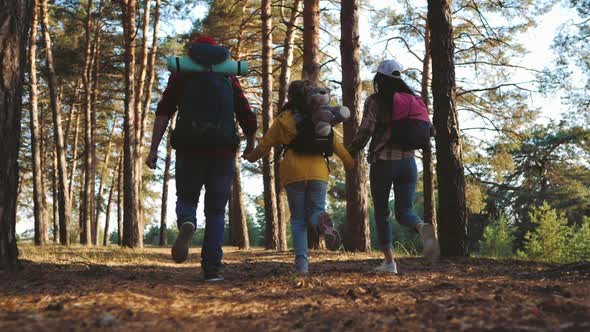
{"x": 297, "y": 167}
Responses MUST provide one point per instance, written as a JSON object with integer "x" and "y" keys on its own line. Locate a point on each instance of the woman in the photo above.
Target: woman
{"x": 304, "y": 174}
{"x": 390, "y": 165}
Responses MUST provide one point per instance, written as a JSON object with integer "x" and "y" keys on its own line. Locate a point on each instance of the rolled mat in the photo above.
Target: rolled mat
{"x": 186, "y": 64}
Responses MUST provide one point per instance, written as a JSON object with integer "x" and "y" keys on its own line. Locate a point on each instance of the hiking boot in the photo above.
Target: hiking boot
{"x": 389, "y": 268}
{"x": 431, "y": 249}
{"x": 212, "y": 276}
{"x": 301, "y": 265}
{"x": 331, "y": 235}
{"x": 183, "y": 242}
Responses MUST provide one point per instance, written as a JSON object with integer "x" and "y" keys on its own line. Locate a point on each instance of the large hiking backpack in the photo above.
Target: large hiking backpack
{"x": 206, "y": 113}
{"x": 307, "y": 141}
{"x": 410, "y": 124}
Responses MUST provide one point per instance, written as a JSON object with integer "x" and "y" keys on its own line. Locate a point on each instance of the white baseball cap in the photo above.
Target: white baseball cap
{"x": 390, "y": 68}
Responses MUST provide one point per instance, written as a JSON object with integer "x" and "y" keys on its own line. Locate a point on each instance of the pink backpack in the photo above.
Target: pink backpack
{"x": 410, "y": 123}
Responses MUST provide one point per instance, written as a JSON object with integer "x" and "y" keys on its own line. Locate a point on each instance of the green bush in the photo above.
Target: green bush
{"x": 579, "y": 244}
{"x": 498, "y": 239}
{"x": 548, "y": 241}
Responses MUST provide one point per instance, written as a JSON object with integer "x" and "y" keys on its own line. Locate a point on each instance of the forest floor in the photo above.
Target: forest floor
{"x": 75, "y": 289}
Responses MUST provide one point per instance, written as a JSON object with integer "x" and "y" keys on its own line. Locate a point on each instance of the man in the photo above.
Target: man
{"x": 206, "y": 142}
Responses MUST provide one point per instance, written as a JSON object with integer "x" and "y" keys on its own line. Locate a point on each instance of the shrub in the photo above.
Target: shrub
{"x": 498, "y": 239}
{"x": 578, "y": 247}
{"x": 548, "y": 241}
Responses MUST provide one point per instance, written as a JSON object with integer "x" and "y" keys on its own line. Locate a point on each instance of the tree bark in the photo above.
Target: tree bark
{"x": 139, "y": 92}
{"x": 270, "y": 209}
{"x": 452, "y": 226}
{"x": 284, "y": 78}
{"x": 39, "y": 202}
{"x": 427, "y": 162}
{"x": 94, "y": 75}
{"x": 167, "y": 164}
{"x": 311, "y": 40}
{"x": 120, "y": 201}
{"x": 74, "y": 154}
{"x": 15, "y": 21}
{"x": 64, "y": 204}
{"x": 238, "y": 226}
{"x": 87, "y": 199}
{"x": 55, "y": 189}
{"x": 357, "y": 215}
{"x": 131, "y": 234}
{"x": 105, "y": 239}
{"x": 103, "y": 175}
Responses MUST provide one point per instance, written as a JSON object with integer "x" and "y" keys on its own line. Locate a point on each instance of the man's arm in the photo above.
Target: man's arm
{"x": 246, "y": 118}
{"x": 160, "y": 126}
{"x": 165, "y": 111}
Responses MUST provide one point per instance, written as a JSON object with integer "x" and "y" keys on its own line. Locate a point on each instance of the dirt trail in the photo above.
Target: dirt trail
{"x": 75, "y": 289}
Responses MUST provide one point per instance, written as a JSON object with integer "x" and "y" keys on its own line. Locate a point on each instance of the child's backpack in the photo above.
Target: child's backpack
{"x": 410, "y": 124}
{"x": 307, "y": 141}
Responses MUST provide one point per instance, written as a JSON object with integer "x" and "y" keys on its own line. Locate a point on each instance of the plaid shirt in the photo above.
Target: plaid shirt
{"x": 374, "y": 126}
{"x": 246, "y": 118}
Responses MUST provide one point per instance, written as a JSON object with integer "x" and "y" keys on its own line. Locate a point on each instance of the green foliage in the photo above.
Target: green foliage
{"x": 548, "y": 241}
{"x": 498, "y": 239}
{"x": 579, "y": 244}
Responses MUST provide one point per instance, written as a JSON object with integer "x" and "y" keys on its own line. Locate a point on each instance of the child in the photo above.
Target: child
{"x": 390, "y": 165}
{"x": 303, "y": 170}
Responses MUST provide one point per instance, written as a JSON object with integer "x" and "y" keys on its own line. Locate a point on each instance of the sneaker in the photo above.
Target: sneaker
{"x": 389, "y": 268}
{"x": 301, "y": 265}
{"x": 212, "y": 276}
{"x": 183, "y": 242}
{"x": 430, "y": 243}
{"x": 331, "y": 235}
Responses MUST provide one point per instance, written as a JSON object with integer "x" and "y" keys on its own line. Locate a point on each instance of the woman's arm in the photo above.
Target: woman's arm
{"x": 367, "y": 127}
{"x": 342, "y": 153}
{"x": 282, "y": 131}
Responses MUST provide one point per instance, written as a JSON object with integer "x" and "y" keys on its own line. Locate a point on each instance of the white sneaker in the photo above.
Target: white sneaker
{"x": 430, "y": 243}
{"x": 389, "y": 268}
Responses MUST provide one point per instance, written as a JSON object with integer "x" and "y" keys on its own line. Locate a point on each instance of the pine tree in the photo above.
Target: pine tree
{"x": 547, "y": 242}
{"x": 15, "y": 21}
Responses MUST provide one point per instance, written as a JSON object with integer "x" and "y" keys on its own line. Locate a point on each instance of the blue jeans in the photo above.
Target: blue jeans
{"x": 403, "y": 175}
{"x": 215, "y": 173}
{"x": 307, "y": 200}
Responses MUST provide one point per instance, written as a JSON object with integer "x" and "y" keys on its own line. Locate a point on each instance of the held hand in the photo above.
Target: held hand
{"x": 151, "y": 160}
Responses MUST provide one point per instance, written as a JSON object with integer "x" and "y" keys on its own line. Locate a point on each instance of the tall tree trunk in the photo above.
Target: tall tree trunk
{"x": 311, "y": 40}
{"x": 151, "y": 72}
{"x": 357, "y": 215}
{"x": 139, "y": 92}
{"x": 427, "y": 163}
{"x": 288, "y": 53}
{"x": 284, "y": 78}
{"x": 74, "y": 155}
{"x": 55, "y": 209}
{"x": 45, "y": 156}
{"x": 63, "y": 195}
{"x": 87, "y": 199}
{"x": 452, "y": 225}
{"x": 238, "y": 226}
{"x": 94, "y": 75}
{"x": 39, "y": 207}
{"x": 15, "y": 21}
{"x": 167, "y": 164}
{"x": 270, "y": 209}
{"x": 120, "y": 201}
{"x": 105, "y": 239}
{"x": 131, "y": 235}
{"x": 103, "y": 174}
